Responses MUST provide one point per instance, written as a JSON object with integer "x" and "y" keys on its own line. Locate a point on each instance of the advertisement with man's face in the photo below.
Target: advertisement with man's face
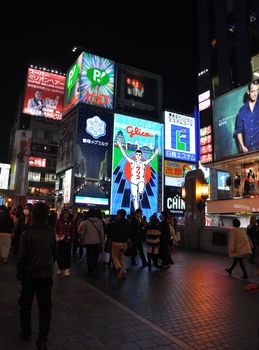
{"x": 93, "y": 158}
{"x": 236, "y": 122}
{"x": 72, "y": 87}
{"x": 44, "y": 94}
{"x": 180, "y": 137}
{"x": 97, "y": 81}
{"x": 137, "y": 165}
{"x": 65, "y": 157}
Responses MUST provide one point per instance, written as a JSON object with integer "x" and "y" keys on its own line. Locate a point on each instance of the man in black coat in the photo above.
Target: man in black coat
{"x": 136, "y": 238}
{"x": 37, "y": 253}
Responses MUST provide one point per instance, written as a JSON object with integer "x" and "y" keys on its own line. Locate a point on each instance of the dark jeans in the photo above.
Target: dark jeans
{"x": 64, "y": 255}
{"x": 137, "y": 247}
{"x": 92, "y": 254}
{"x": 42, "y": 288}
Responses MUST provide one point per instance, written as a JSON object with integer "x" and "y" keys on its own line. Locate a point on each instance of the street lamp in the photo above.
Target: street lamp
{"x": 183, "y": 192}
{"x": 204, "y": 194}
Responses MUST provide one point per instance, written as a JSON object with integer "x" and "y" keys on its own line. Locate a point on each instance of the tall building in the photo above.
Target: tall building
{"x": 35, "y": 135}
{"x": 229, "y": 61}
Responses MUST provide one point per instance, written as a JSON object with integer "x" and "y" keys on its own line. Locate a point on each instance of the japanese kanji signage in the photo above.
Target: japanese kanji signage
{"x": 44, "y": 94}
{"x": 180, "y": 137}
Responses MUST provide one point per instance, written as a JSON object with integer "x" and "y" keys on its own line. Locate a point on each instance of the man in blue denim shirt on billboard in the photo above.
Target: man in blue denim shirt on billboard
{"x": 247, "y": 124}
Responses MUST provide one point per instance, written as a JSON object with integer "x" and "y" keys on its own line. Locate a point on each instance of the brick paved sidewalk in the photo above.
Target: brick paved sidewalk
{"x": 192, "y": 305}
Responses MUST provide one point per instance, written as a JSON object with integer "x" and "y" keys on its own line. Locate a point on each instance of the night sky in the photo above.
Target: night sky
{"x": 169, "y": 49}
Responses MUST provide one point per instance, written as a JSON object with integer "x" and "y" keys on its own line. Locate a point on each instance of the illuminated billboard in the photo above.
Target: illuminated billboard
{"x": 67, "y": 183}
{"x": 137, "y": 165}
{"x": 37, "y": 162}
{"x": 72, "y": 87}
{"x": 97, "y": 81}
{"x": 236, "y": 127}
{"x": 180, "y": 137}
{"x": 93, "y": 157}
{"x": 173, "y": 201}
{"x": 139, "y": 92}
{"x": 206, "y": 145}
{"x": 175, "y": 172}
{"x": 4, "y": 175}
{"x": 44, "y": 94}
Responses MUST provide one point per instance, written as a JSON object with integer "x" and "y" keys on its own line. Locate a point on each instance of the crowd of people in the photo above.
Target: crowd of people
{"x": 38, "y": 238}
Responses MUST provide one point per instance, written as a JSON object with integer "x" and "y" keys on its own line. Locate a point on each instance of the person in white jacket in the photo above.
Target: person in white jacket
{"x": 239, "y": 246}
{"x": 92, "y": 236}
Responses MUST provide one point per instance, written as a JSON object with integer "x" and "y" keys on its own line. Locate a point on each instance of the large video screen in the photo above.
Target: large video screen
{"x": 44, "y": 94}
{"x": 72, "y": 88}
{"x": 139, "y": 92}
{"x": 180, "y": 137}
{"x": 93, "y": 157}
{"x": 97, "y": 81}
{"x": 222, "y": 180}
{"x": 236, "y": 126}
{"x": 137, "y": 165}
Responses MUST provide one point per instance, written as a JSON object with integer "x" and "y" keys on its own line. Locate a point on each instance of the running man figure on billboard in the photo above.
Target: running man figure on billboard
{"x": 137, "y": 178}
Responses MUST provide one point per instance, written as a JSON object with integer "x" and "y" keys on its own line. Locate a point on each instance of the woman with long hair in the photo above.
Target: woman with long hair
{"x": 6, "y": 229}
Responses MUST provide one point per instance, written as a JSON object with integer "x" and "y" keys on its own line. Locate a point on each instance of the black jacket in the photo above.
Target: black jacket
{"x": 37, "y": 253}
{"x": 120, "y": 231}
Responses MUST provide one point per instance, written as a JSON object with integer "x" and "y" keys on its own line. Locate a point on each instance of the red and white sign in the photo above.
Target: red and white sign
{"x": 37, "y": 162}
{"x": 44, "y": 94}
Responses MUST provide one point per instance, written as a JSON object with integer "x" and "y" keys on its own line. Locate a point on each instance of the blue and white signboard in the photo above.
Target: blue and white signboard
{"x": 180, "y": 137}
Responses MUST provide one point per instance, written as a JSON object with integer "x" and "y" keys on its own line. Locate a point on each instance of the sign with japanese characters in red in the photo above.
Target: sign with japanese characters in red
{"x": 44, "y": 94}
{"x": 206, "y": 145}
{"x": 37, "y": 162}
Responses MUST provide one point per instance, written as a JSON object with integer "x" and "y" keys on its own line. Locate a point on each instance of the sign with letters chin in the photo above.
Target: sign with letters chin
{"x": 173, "y": 201}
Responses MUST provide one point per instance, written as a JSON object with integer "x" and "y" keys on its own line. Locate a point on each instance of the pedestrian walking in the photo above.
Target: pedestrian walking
{"x": 153, "y": 240}
{"x": 22, "y": 223}
{"x": 6, "y": 230}
{"x": 36, "y": 255}
{"x": 136, "y": 238}
{"x": 239, "y": 246}
{"x": 92, "y": 235}
{"x": 253, "y": 234}
{"x": 164, "y": 249}
{"x": 64, "y": 236}
{"x": 119, "y": 232}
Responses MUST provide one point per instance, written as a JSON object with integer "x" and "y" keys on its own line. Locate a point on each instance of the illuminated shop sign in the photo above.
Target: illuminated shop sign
{"x": 206, "y": 146}
{"x": 175, "y": 172}
{"x": 137, "y": 161}
{"x": 135, "y": 87}
{"x": 93, "y": 157}
{"x": 204, "y": 100}
{"x": 4, "y": 175}
{"x": 97, "y": 81}
{"x": 44, "y": 94}
{"x": 37, "y": 162}
{"x": 67, "y": 183}
{"x": 180, "y": 137}
{"x": 173, "y": 201}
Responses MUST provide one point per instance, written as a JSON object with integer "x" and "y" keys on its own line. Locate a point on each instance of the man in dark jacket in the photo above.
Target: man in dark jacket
{"x": 37, "y": 253}
{"x": 119, "y": 234}
{"x": 136, "y": 238}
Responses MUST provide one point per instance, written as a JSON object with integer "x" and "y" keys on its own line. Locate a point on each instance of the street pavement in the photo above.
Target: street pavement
{"x": 192, "y": 305}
